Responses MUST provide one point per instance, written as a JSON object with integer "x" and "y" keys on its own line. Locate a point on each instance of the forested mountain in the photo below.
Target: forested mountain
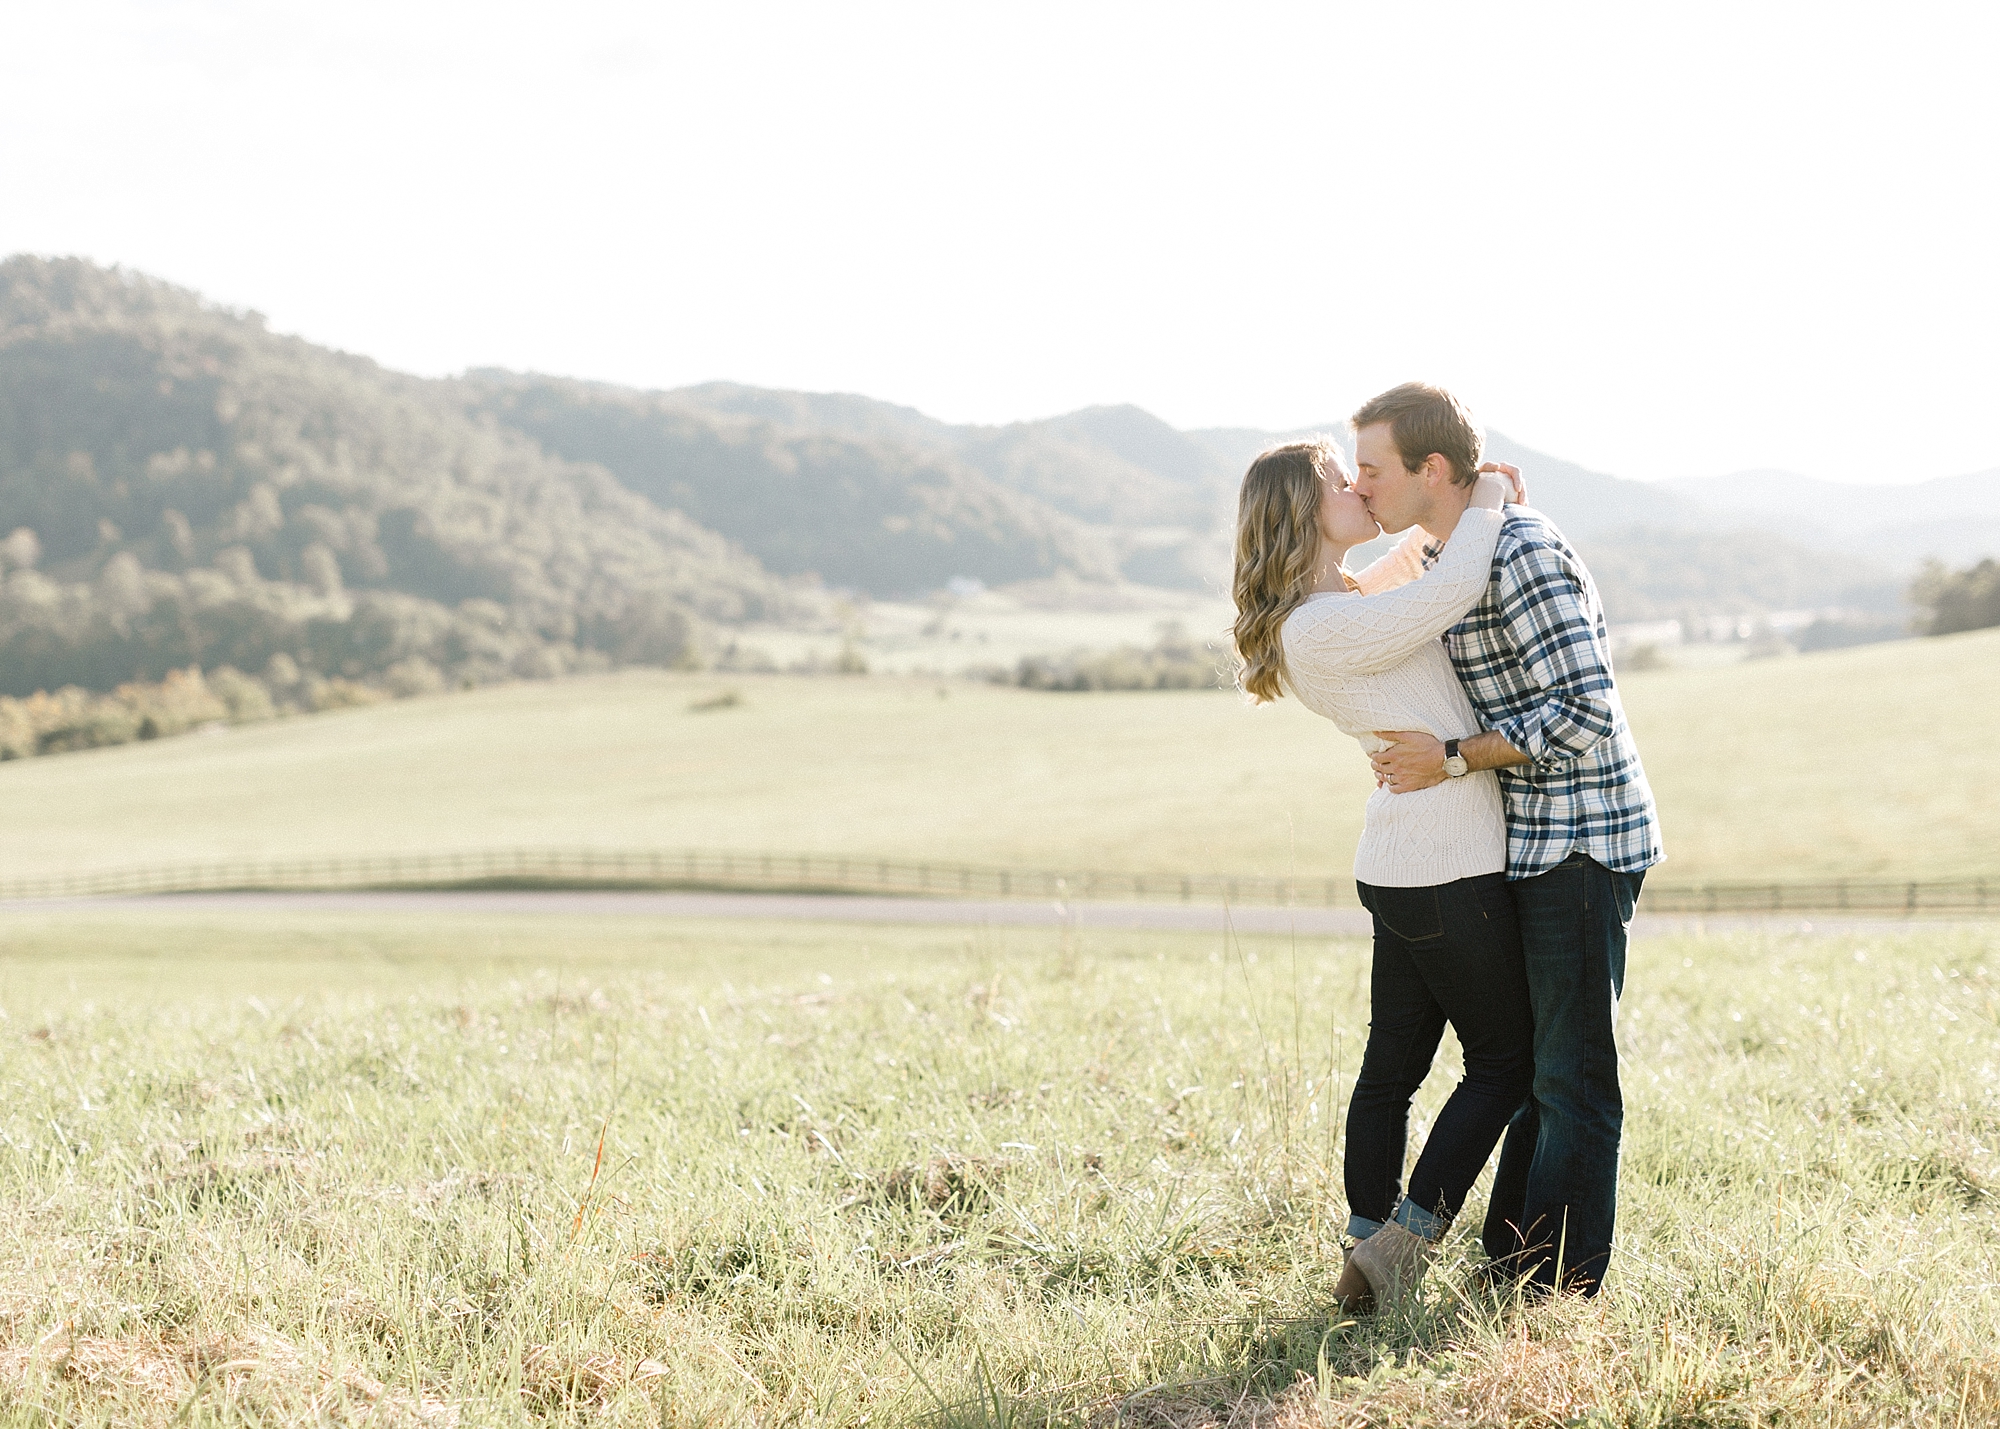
{"x": 838, "y": 487}
{"x": 1115, "y": 467}
{"x": 839, "y": 413}
{"x": 184, "y": 488}
{"x": 1154, "y": 498}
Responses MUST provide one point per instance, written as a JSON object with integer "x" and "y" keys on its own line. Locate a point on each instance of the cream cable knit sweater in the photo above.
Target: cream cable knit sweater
{"x": 1375, "y": 661}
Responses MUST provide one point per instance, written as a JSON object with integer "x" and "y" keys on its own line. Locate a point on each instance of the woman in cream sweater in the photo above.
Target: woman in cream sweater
{"x": 1365, "y": 653}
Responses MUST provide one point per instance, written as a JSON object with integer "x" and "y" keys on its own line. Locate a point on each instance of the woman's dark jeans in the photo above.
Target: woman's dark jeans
{"x": 1449, "y": 953}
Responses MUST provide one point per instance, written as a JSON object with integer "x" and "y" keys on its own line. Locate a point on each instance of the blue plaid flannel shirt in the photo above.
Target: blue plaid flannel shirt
{"x": 1535, "y": 661}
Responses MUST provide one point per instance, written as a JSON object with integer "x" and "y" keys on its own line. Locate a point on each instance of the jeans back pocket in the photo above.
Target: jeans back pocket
{"x": 1412, "y": 914}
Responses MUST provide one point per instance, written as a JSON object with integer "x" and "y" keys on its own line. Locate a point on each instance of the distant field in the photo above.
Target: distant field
{"x": 1864, "y": 762}
{"x": 346, "y": 1171}
{"x": 996, "y": 629}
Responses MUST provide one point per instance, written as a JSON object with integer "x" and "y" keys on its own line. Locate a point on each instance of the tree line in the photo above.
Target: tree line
{"x": 1953, "y": 601}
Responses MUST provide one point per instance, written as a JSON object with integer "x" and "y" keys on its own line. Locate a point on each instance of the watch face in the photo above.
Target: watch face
{"x": 1455, "y": 766}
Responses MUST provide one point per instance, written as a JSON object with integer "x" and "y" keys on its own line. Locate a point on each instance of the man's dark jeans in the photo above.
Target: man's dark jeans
{"x": 1555, "y": 1196}
{"x": 1449, "y": 953}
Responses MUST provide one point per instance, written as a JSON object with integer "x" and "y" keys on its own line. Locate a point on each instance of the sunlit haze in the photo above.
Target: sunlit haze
{"x": 1655, "y": 240}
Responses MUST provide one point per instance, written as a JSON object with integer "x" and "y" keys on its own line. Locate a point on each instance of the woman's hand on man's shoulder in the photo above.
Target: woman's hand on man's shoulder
{"x": 1517, "y": 484}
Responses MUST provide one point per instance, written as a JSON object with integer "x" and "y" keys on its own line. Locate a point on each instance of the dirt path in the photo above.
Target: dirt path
{"x": 843, "y": 908}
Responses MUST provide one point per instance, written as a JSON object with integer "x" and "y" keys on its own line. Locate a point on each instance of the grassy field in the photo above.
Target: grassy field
{"x": 1853, "y": 762}
{"x": 452, "y": 1171}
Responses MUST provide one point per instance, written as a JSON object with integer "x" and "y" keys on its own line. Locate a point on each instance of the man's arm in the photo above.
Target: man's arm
{"x": 1415, "y": 760}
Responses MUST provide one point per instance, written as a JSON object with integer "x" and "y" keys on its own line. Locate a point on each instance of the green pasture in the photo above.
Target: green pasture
{"x": 285, "y": 1169}
{"x": 1858, "y": 762}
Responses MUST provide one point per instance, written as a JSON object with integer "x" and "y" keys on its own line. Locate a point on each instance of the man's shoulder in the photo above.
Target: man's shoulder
{"x": 1528, "y": 537}
{"x": 1525, "y": 528}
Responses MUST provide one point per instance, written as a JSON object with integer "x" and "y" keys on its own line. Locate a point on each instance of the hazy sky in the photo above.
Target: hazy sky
{"x": 1659, "y": 240}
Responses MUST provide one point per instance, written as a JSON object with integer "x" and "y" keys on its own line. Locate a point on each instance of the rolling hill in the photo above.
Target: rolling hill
{"x": 1112, "y": 466}
{"x": 810, "y": 486}
{"x": 186, "y": 488}
{"x": 1155, "y": 500}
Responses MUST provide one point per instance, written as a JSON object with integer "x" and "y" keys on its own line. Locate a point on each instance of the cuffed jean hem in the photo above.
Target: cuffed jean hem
{"x": 1360, "y": 1227}
{"x": 1413, "y": 1217}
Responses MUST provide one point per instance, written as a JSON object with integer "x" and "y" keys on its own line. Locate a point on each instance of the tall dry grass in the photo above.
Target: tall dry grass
{"x": 527, "y": 1172}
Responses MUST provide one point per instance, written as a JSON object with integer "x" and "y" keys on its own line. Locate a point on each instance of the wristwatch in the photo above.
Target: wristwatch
{"x": 1454, "y": 762}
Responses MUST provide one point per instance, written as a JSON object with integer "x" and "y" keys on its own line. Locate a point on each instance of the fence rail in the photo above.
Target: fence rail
{"x": 853, "y": 873}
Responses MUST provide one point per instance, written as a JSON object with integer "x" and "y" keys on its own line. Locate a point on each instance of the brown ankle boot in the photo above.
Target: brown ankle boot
{"x": 1393, "y": 1260}
{"x": 1351, "y": 1292}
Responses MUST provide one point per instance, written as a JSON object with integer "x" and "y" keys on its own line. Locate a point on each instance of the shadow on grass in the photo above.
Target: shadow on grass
{"x": 1278, "y": 1374}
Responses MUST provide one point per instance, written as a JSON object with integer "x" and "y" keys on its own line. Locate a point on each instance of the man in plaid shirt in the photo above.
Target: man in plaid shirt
{"x": 1535, "y": 662}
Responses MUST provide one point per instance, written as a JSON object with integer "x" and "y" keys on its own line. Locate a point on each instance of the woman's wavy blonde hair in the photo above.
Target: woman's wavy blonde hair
{"x": 1277, "y": 555}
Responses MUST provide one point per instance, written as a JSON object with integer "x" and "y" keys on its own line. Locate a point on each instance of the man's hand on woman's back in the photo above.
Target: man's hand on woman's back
{"x": 1414, "y": 759}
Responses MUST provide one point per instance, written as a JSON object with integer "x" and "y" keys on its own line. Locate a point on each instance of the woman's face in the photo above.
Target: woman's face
{"x": 1343, "y": 516}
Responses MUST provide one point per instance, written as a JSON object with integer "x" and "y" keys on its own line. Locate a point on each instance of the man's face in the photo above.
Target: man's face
{"x": 1395, "y": 497}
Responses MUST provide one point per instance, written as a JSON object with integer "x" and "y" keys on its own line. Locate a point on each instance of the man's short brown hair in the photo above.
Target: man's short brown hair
{"x": 1424, "y": 419}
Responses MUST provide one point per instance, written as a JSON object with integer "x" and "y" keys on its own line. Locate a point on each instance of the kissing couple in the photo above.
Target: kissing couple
{"x": 1504, "y": 844}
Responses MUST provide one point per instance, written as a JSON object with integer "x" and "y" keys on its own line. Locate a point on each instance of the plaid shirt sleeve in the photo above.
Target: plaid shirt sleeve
{"x": 1548, "y": 621}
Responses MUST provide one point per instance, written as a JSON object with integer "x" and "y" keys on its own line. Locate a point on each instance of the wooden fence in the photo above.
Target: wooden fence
{"x": 853, "y": 873}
